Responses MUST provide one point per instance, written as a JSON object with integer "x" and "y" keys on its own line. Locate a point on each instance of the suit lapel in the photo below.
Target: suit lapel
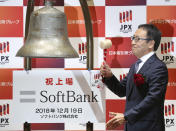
{"x": 144, "y": 68}
{"x": 130, "y": 81}
{"x": 147, "y": 64}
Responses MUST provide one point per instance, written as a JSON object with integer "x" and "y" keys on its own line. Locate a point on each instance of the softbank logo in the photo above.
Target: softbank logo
{"x": 4, "y": 47}
{"x": 166, "y": 49}
{"x": 125, "y": 19}
{"x": 27, "y": 96}
{"x": 82, "y": 49}
{"x": 4, "y": 109}
{"x": 169, "y": 111}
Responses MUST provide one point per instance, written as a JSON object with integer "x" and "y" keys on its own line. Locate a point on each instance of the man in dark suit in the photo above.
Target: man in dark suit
{"x": 144, "y": 86}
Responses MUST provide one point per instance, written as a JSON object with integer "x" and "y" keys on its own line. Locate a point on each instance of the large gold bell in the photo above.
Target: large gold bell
{"x": 47, "y": 35}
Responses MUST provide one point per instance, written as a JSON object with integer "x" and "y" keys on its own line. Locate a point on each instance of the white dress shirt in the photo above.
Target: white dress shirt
{"x": 144, "y": 59}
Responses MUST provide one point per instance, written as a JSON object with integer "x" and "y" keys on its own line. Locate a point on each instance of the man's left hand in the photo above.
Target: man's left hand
{"x": 117, "y": 120}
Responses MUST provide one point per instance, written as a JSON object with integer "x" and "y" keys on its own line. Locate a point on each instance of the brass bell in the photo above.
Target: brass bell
{"x": 47, "y": 35}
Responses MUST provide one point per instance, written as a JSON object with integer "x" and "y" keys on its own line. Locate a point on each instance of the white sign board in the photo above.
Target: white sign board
{"x": 57, "y": 96}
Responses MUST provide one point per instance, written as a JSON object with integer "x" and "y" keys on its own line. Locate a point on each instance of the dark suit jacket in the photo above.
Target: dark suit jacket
{"x": 144, "y": 109}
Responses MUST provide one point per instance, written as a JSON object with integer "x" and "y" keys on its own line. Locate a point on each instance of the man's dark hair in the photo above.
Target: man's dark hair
{"x": 153, "y": 33}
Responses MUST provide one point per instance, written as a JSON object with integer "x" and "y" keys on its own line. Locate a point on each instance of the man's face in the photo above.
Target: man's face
{"x": 141, "y": 47}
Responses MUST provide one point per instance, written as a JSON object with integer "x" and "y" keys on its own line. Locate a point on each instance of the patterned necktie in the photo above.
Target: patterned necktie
{"x": 137, "y": 65}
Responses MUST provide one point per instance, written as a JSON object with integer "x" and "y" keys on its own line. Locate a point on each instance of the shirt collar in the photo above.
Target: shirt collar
{"x": 147, "y": 56}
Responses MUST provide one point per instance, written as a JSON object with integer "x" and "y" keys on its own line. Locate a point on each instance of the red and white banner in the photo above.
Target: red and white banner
{"x": 76, "y": 23}
{"x": 167, "y": 51}
{"x": 161, "y": 2}
{"x": 164, "y": 18}
{"x": 11, "y": 2}
{"x": 125, "y": 2}
{"x": 89, "y": 2}
{"x": 169, "y": 115}
{"x": 80, "y": 45}
{"x": 116, "y": 20}
{"x": 122, "y": 21}
{"x": 8, "y": 50}
{"x": 120, "y": 54}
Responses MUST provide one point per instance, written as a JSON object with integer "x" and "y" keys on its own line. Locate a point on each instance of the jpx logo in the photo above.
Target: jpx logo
{"x": 82, "y": 52}
{"x": 4, "y": 110}
{"x": 125, "y": 19}
{"x": 122, "y": 76}
{"x": 96, "y": 77}
{"x": 169, "y": 111}
{"x": 97, "y": 80}
{"x": 4, "y": 48}
{"x": 167, "y": 49}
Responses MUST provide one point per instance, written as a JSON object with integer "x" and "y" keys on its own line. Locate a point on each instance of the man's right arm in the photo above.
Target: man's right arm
{"x": 117, "y": 87}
